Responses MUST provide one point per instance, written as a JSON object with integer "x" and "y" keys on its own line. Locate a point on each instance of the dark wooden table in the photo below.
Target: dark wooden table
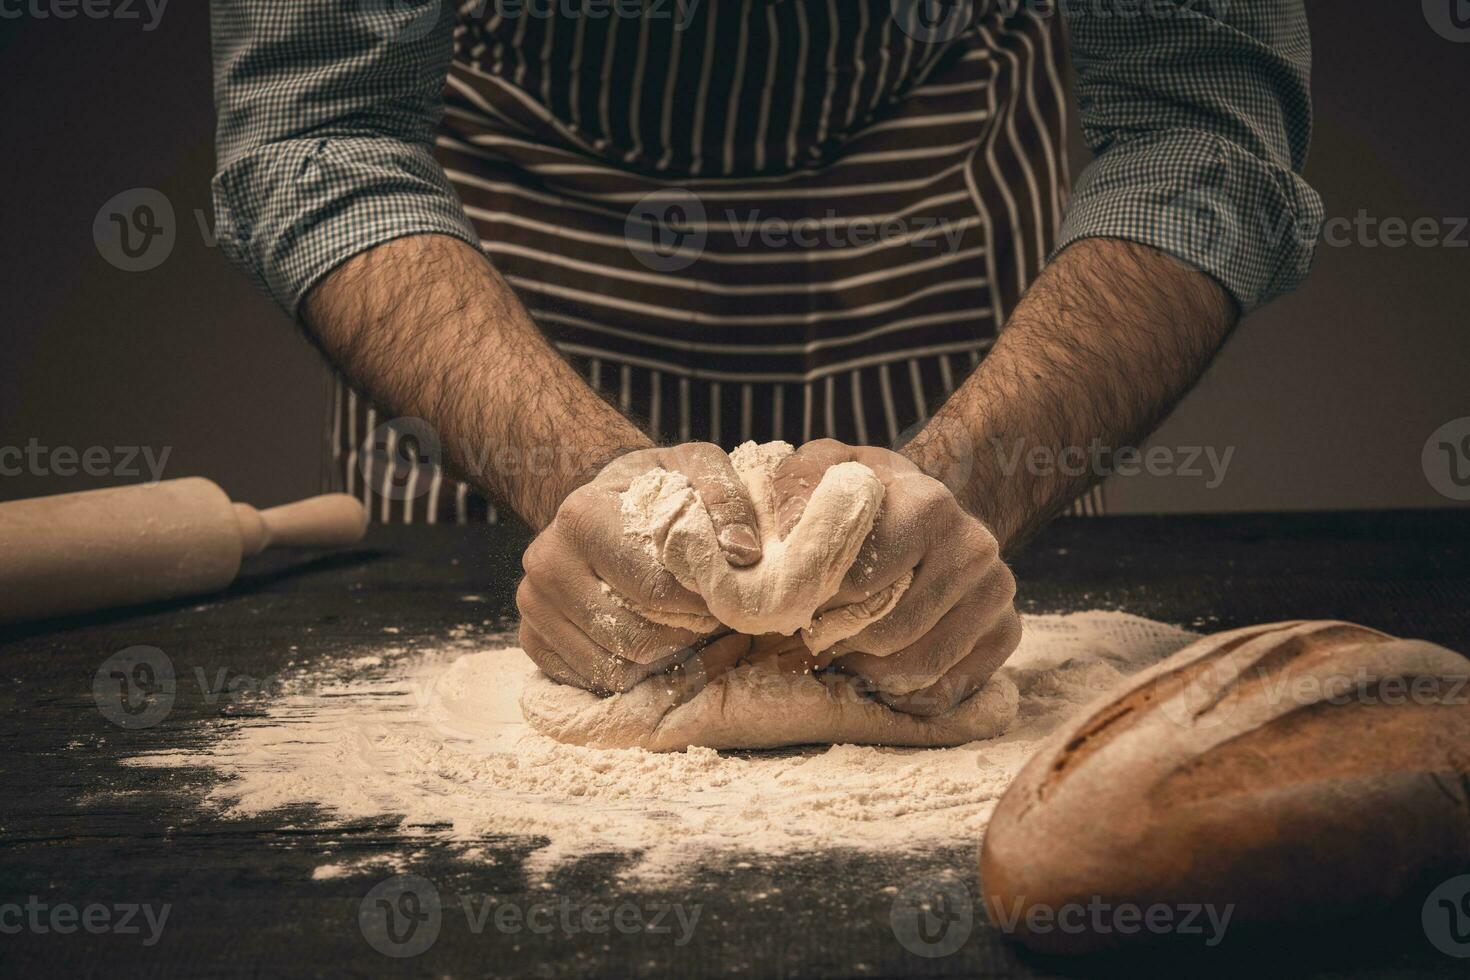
{"x": 80, "y": 832}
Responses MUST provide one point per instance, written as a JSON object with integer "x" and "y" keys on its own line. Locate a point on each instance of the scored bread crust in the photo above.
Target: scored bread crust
{"x": 1275, "y": 768}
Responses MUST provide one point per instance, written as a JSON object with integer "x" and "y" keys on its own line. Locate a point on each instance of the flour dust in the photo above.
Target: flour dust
{"x": 434, "y": 738}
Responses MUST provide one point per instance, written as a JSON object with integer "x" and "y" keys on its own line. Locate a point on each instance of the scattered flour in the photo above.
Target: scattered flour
{"x": 437, "y": 741}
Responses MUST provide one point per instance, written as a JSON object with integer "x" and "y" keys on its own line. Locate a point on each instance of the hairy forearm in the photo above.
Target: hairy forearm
{"x": 425, "y": 327}
{"x": 1102, "y": 346}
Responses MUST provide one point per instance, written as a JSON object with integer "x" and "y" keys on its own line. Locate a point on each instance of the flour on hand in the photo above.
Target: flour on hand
{"x": 760, "y": 704}
{"x": 782, "y": 592}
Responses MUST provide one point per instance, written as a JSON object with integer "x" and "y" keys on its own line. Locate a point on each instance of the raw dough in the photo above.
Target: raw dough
{"x": 783, "y": 591}
{"x": 759, "y": 704}
{"x": 753, "y": 707}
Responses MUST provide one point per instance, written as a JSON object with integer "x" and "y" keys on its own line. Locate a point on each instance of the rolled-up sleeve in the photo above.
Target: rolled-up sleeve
{"x": 326, "y": 116}
{"x": 1199, "y": 115}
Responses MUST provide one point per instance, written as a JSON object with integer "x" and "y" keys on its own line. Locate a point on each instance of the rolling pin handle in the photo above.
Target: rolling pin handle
{"x": 317, "y": 522}
{"x": 253, "y": 533}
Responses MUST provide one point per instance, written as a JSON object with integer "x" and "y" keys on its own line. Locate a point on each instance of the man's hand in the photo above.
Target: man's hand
{"x": 597, "y": 608}
{"x": 956, "y": 622}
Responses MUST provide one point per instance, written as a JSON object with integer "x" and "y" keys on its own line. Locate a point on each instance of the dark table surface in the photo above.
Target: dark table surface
{"x": 77, "y": 829}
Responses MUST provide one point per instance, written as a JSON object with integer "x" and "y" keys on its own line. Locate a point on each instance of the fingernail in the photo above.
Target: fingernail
{"x": 740, "y": 544}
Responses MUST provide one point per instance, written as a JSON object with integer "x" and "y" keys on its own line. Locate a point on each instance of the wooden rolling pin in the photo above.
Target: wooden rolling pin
{"x": 78, "y": 552}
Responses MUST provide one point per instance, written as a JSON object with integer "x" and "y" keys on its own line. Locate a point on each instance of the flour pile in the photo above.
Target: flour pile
{"x": 435, "y": 738}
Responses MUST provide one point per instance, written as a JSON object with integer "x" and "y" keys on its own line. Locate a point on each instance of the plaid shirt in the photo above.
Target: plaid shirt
{"x": 1198, "y": 113}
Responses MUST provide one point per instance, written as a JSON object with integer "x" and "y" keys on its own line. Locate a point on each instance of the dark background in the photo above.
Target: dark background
{"x": 1326, "y": 396}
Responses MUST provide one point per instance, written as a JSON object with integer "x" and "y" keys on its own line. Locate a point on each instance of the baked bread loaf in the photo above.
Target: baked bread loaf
{"x": 1290, "y": 770}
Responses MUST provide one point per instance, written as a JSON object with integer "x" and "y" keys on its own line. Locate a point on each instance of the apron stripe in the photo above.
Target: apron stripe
{"x": 873, "y": 206}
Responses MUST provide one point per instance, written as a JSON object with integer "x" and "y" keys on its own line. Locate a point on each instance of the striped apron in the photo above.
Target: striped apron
{"x": 744, "y": 219}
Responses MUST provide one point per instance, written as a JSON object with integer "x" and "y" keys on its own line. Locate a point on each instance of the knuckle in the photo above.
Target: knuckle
{"x": 1003, "y": 640}
{"x": 982, "y": 542}
{"x": 525, "y": 601}
{"x": 580, "y": 499}
{"x": 623, "y": 469}
{"x": 977, "y": 550}
{"x": 932, "y": 498}
{"x": 540, "y": 653}
{"x": 700, "y": 459}
{"x": 582, "y": 515}
{"x": 580, "y": 504}
{"x": 995, "y": 587}
{"x": 935, "y": 520}
{"x": 824, "y": 445}
{"x": 721, "y": 507}
{"x": 704, "y": 450}
{"x": 534, "y": 561}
